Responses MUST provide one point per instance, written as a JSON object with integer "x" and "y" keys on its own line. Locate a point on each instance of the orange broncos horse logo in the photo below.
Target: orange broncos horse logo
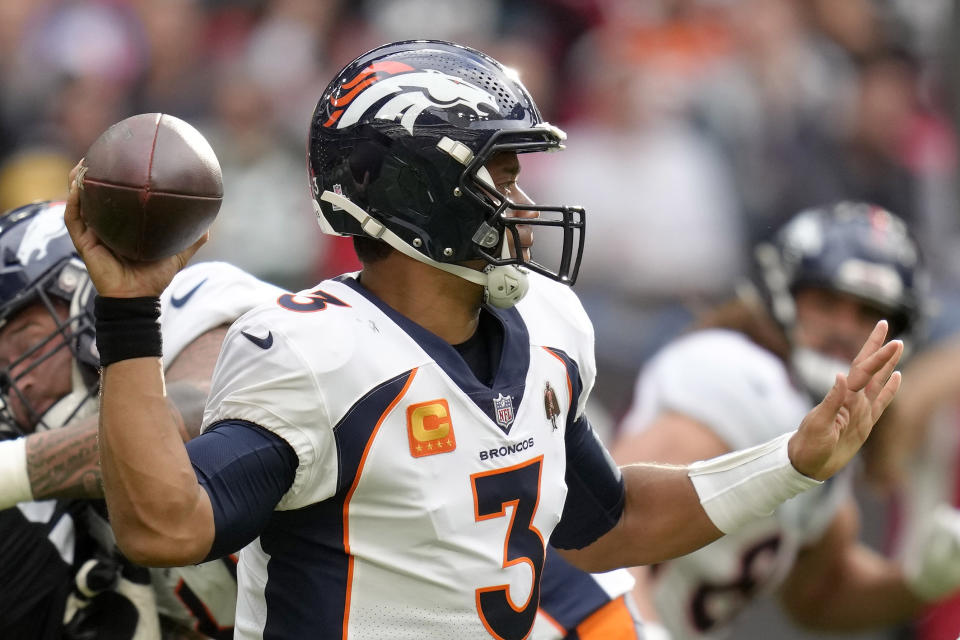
{"x": 413, "y": 90}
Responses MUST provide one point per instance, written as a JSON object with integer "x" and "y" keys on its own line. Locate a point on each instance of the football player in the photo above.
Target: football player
{"x": 49, "y": 368}
{"x": 52, "y": 381}
{"x": 384, "y": 446}
{"x": 755, "y": 367}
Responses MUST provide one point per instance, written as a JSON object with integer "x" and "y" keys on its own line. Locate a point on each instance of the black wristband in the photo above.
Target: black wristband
{"x": 127, "y": 328}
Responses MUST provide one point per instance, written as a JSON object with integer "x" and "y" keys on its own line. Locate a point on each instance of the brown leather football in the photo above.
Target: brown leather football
{"x": 150, "y": 186}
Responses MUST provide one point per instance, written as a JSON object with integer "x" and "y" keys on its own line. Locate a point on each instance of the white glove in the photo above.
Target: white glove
{"x": 931, "y": 564}
{"x": 112, "y": 600}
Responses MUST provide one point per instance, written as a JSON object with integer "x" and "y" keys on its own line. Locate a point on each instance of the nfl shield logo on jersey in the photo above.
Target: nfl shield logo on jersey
{"x": 503, "y": 408}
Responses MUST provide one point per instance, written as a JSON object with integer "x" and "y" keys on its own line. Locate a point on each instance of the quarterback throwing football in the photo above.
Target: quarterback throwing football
{"x": 379, "y": 446}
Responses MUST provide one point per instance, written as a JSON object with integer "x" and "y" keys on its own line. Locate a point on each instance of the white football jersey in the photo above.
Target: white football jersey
{"x": 202, "y": 297}
{"x": 745, "y": 395}
{"x": 423, "y": 499}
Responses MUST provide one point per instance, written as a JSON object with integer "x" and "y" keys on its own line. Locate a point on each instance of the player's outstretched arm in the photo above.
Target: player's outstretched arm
{"x": 671, "y": 511}
{"x": 159, "y": 512}
{"x": 933, "y": 383}
{"x": 838, "y": 584}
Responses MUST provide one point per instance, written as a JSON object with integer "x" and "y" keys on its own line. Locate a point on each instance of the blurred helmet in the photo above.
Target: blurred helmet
{"x": 397, "y": 149}
{"x": 41, "y": 266}
{"x": 854, "y": 248}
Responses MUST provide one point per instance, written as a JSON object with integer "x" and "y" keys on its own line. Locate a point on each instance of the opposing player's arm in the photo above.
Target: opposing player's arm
{"x": 188, "y": 380}
{"x": 933, "y": 381}
{"x": 65, "y": 463}
{"x": 665, "y": 510}
{"x": 837, "y": 584}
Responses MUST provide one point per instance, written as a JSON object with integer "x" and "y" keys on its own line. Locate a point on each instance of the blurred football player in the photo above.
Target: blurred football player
{"x": 49, "y": 368}
{"x": 755, "y": 366}
{"x": 384, "y": 447}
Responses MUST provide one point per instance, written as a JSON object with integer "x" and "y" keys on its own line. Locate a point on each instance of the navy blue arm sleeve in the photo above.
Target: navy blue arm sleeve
{"x": 595, "y": 492}
{"x": 245, "y": 470}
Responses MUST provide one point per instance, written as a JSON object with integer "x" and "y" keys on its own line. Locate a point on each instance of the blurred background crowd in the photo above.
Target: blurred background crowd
{"x": 696, "y": 126}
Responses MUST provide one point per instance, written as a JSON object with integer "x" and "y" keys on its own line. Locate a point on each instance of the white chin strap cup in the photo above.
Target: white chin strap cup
{"x": 506, "y": 285}
{"x": 503, "y": 286}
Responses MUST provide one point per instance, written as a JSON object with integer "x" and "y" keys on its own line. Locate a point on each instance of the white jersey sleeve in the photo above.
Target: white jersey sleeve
{"x": 204, "y": 296}
{"x": 262, "y": 377}
{"x": 720, "y": 378}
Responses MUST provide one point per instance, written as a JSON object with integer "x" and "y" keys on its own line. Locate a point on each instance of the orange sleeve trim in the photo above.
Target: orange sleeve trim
{"x": 612, "y": 621}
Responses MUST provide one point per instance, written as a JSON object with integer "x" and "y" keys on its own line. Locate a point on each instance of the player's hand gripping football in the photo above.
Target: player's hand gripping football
{"x": 833, "y": 431}
{"x": 114, "y": 276}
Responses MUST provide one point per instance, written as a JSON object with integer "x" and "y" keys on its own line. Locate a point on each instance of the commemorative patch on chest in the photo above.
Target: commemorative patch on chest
{"x": 551, "y": 406}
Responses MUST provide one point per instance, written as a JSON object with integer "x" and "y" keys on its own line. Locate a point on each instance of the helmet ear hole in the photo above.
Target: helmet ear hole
{"x": 365, "y": 163}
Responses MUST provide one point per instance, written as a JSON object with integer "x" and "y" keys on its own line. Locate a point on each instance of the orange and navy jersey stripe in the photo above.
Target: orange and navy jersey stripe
{"x": 310, "y": 564}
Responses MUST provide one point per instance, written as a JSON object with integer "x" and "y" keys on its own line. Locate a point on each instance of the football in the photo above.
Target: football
{"x": 150, "y": 186}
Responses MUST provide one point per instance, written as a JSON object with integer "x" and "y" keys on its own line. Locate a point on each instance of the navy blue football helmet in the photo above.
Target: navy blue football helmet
{"x": 398, "y": 144}
{"x": 41, "y": 266}
{"x": 851, "y": 247}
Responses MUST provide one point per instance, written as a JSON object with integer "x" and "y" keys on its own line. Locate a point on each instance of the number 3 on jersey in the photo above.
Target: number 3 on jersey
{"x": 493, "y": 491}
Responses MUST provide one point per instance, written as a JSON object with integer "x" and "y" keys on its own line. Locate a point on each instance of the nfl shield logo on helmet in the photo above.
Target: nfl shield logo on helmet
{"x": 503, "y": 409}
{"x": 337, "y": 189}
